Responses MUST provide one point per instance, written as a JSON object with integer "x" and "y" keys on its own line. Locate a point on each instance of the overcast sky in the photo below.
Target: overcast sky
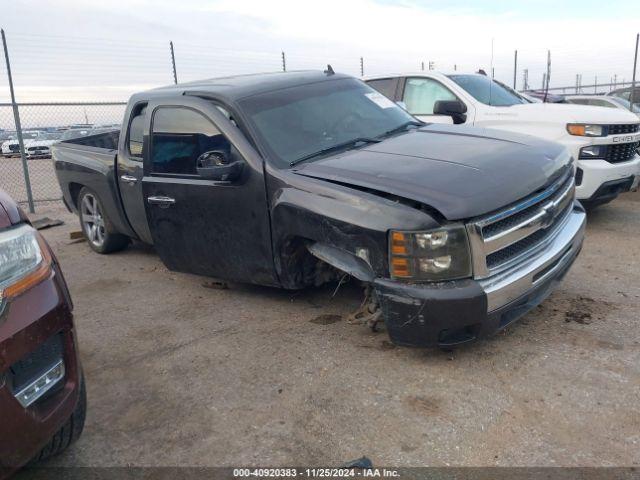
{"x": 84, "y": 49}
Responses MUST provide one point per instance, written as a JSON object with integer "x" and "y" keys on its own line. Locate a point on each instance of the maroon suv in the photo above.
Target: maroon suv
{"x": 42, "y": 393}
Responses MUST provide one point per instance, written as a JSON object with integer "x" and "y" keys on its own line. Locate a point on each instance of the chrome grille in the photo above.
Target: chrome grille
{"x": 504, "y": 238}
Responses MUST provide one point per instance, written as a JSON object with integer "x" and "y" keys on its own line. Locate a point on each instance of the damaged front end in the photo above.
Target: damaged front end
{"x": 456, "y": 284}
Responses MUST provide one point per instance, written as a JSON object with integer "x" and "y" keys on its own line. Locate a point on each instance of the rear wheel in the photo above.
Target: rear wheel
{"x": 69, "y": 433}
{"x": 96, "y": 227}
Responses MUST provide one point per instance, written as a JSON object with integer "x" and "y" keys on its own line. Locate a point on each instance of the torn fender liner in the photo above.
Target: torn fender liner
{"x": 428, "y": 315}
{"x": 343, "y": 260}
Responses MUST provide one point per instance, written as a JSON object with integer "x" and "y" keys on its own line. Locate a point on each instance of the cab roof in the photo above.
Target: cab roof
{"x": 235, "y": 87}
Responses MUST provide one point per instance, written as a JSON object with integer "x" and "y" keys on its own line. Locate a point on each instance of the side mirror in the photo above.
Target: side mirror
{"x": 216, "y": 165}
{"x": 451, "y": 108}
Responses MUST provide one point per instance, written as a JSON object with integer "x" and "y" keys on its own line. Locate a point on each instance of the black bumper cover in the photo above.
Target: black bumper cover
{"x": 452, "y": 313}
{"x": 609, "y": 191}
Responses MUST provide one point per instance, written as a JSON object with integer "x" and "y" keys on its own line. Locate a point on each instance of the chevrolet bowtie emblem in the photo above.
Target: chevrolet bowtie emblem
{"x": 548, "y": 215}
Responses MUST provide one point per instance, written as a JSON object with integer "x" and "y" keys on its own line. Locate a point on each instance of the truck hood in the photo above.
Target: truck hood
{"x": 563, "y": 113}
{"x": 460, "y": 171}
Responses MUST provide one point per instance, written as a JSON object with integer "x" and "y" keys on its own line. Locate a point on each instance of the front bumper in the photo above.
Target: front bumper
{"x": 26, "y": 323}
{"x": 457, "y": 312}
{"x": 596, "y": 173}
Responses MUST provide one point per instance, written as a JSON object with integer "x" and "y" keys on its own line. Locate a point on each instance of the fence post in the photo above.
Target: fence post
{"x": 515, "y": 68}
{"x": 633, "y": 80}
{"x": 595, "y": 85}
{"x": 16, "y": 117}
{"x": 361, "y": 67}
{"x": 173, "y": 63}
{"x": 284, "y": 63}
{"x": 422, "y": 66}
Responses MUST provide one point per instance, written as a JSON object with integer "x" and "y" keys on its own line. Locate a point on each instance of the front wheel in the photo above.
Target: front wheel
{"x": 96, "y": 226}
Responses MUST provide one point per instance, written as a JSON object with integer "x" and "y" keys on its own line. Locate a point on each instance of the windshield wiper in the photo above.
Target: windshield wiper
{"x": 401, "y": 128}
{"x": 340, "y": 146}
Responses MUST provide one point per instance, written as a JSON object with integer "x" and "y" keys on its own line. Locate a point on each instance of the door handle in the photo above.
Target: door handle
{"x": 128, "y": 179}
{"x": 161, "y": 201}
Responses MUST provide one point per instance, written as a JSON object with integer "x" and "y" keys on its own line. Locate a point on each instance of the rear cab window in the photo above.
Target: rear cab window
{"x": 135, "y": 136}
{"x": 386, "y": 86}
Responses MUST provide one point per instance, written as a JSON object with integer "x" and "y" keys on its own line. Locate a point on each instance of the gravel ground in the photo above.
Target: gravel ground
{"x": 182, "y": 373}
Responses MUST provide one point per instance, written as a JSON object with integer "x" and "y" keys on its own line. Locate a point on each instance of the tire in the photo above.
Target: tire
{"x": 70, "y": 431}
{"x": 96, "y": 227}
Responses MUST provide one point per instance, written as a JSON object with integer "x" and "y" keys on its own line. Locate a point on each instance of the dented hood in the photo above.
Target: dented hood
{"x": 460, "y": 171}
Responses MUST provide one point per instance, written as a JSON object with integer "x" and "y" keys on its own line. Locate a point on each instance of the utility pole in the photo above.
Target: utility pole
{"x": 361, "y": 67}
{"x": 515, "y": 68}
{"x": 544, "y": 79}
{"x": 173, "y": 63}
{"x": 632, "y": 98}
{"x": 525, "y": 79}
{"x": 284, "y": 63}
{"x": 16, "y": 118}
{"x": 547, "y": 76}
{"x": 595, "y": 85}
{"x": 422, "y": 66}
{"x": 431, "y": 65}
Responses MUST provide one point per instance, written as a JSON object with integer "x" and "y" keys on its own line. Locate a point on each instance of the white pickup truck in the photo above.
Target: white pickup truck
{"x": 605, "y": 142}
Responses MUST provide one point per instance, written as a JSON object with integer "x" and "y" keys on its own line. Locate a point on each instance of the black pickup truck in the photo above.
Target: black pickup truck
{"x": 295, "y": 179}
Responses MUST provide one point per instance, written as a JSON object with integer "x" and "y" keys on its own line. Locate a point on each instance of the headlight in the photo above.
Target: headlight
{"x": 24, "y": 261}
{"x": 433, "y": 256}
{"x": 585, "y": 130}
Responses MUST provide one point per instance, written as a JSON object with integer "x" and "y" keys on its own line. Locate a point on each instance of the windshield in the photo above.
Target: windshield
{"x": 483, "y": 89}
{"x": 75, "y": 133}
{"x": 626, "y": 104}
{"x": 31, "y": 135}
{"x": 297, "y": 122}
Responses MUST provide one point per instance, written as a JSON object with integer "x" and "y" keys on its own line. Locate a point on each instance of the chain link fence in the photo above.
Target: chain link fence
{"x": 44, "y": 124}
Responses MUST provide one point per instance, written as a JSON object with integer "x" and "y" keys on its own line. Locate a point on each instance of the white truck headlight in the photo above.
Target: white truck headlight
{"x": 431, "y": 256}
{"x": 586, "y": 130}
{"x": 24, "y": 261}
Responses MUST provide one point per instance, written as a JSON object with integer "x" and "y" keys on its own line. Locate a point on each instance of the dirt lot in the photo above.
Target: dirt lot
{"x": 182, "y": 374}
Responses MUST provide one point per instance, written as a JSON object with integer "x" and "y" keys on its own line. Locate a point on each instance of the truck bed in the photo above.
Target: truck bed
{"x": 104, "y": 141}
{"x": 91, "y": 162}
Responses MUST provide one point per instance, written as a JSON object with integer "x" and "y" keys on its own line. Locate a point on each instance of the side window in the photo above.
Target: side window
{"x": 386, "y": 86}
{"x": 179, "y": 136}
{"x": 578, "y": 101}
{"x": 136, "y": 132}
{"x": 420, "y": 95}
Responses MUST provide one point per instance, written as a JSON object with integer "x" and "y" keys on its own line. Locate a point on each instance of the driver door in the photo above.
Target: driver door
{"x": 203, "y": 226}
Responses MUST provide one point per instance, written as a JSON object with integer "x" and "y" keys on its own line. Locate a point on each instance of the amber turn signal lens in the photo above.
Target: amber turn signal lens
{"x": 398, "y": 246}
{"x": 576, "y": 130}
{"x": 400, "y": 267}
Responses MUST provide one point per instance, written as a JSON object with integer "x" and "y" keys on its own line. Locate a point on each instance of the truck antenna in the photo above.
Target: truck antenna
{"x": 329, "y": 71}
